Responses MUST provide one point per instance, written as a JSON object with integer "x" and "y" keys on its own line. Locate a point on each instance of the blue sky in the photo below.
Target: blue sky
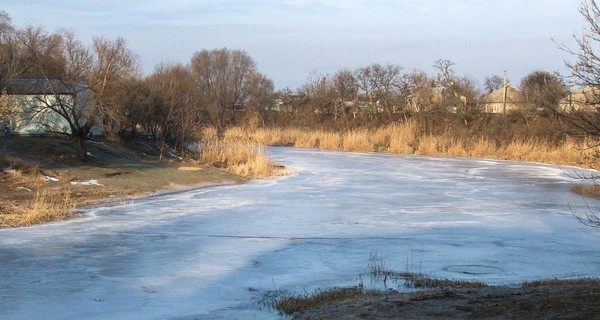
{"x": 290, "y": 40}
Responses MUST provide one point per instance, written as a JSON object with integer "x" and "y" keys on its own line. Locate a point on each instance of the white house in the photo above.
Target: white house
{"x": 38, "y": 103}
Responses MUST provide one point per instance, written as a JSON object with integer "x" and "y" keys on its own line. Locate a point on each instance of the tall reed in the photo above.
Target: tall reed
{"x": 406, "y": 138}
{"x": 236, "y": 154}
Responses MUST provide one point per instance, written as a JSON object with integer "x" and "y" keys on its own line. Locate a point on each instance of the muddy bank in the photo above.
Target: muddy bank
{"x": 558, "y": 300}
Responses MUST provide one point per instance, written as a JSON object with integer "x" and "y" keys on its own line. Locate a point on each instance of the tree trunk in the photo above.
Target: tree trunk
{"x": 78, "y": 141}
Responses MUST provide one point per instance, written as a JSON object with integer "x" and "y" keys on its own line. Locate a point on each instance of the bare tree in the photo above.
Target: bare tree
{"x": 586, "y": 68}
{"x": 492, "y": 83}
{"x": 421, "y": 90}
{"x": 585, "y": 122}
{"x": 318, "y": 95}
{"x": 6, "y": 26}
{"x": 467, "y": 92}
{"x": 258, "y": 97}
{"x": 450, "y": 99}
{"x": 380, "y": 85}
{"x": 345, "y": 88}
{"x": 89, "y": 75}
{"x": 221, "y": 78}
{"x": 137, "y": 107}
{"x": 175, "y": 111}
{"x": 543, "y": 91}
{"x": 6, "y": 35}
{"x": 445, "y": 69}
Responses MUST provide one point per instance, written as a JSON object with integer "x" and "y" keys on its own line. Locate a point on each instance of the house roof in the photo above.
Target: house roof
{"x": 41, "y": 86}
{"x": 587, "y": 95}
{"x": 512, "y": 96}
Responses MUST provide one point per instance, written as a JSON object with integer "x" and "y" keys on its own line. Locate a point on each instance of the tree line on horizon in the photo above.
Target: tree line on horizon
{"x": 223, "y": 87}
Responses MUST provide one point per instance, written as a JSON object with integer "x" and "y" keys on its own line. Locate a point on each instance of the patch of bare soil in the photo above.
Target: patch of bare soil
{"x": 30, "y": 166}
{"x": 555, "y": 300}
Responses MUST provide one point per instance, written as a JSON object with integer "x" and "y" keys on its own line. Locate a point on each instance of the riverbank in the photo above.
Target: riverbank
{"x": 568, "y": 299}
{"x": 42, "y": 181}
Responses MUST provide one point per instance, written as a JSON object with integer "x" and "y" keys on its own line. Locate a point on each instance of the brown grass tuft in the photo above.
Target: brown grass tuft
{"x": 237, "y": 155}
{"x": 561, "y": 283}
{"x": 44, "y": 207}
{"x": 292, "y": 305}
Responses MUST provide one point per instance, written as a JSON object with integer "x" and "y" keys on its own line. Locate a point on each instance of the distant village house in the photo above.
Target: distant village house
{"x": 503, "y": 100}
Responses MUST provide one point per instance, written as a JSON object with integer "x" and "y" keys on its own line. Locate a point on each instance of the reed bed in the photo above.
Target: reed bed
{"x": 357, "y": 140}
{"x": 237, "y": 154}
{"x": 406, "y": 138}
{"x": 329, "y": 140}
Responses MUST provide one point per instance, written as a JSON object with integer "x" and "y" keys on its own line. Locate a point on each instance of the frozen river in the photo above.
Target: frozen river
{"x": 210, "y": 253}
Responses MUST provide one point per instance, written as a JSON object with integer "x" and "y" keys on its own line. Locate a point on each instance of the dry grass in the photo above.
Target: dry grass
{"x": 357, "y": 140}
{"x": 407, "y": 138}
{"x": 403, "y": 138}
{"x": 420, "y": 281}
{"x": 329, "y": 140}
{"x": 44, "y": 207}
{"x": 236, "y": 154}
{"x": 561, "y": 283}
{"x": 292, "y": 305}
{"x": 307, "y": 140}
{"x": 245, "y": 160}
{"x": 21, "y": 171}
{"x": 235, "y": 135}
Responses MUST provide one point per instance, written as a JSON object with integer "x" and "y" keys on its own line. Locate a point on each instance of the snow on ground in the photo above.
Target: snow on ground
{"x": 210, "y": 253}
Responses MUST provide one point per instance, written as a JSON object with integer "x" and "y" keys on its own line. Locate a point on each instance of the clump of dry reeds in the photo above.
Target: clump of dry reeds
{"x": 236, "y": 154}
{"x": 44, "y": 207}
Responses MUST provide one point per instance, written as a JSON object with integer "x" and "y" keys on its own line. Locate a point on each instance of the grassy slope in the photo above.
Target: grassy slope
{"x": 120, "y": 170}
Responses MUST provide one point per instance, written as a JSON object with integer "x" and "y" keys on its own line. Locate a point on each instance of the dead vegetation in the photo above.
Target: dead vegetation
{"x": 42, "y": 182}
{"x": 407, "y": 138}
{"x": 544, "y": 299}
{"x": 37, "y": 205}
{"x": 237, "y": 155}
{"x": 298, "y": 304}
{"x": 442, "y": 298}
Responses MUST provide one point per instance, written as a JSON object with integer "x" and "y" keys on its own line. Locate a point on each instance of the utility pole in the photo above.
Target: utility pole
{"x": 505, "y": 93}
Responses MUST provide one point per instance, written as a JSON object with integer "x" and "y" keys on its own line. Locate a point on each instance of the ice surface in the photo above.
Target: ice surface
{"x": 210, "y": 253}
